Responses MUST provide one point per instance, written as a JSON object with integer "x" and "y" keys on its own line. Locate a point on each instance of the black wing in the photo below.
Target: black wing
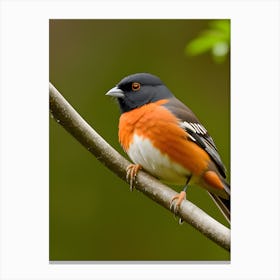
{"x": 197, "y": 132}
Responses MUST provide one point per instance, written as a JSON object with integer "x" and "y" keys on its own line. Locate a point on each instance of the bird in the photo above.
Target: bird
{"x": 162, "y": 136}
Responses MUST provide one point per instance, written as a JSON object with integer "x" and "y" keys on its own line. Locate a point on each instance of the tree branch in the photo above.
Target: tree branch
{"x": 65, "y": 115}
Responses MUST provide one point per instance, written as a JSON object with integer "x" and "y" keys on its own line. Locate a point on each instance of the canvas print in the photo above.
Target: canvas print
{"x": 139, "y": 140}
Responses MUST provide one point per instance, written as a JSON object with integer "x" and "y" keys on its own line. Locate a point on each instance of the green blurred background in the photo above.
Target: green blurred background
{"x": 93, "y": 215}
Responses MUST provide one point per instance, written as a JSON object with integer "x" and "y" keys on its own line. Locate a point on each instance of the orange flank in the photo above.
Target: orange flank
{"x": 160, "y": 126}
{"x": 213, "y": 179}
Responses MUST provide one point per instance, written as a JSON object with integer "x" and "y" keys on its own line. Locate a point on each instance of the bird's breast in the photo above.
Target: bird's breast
{"x": 152, "y": 137}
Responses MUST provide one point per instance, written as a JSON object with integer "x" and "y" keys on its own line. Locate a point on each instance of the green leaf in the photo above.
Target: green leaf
{"x": 203, "y": 43}
{"x": 221, "y": 25}
{"x": 216, "y": 40}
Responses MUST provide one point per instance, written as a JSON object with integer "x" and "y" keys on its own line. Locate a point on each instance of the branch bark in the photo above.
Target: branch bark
{"x": 66, "y": 115}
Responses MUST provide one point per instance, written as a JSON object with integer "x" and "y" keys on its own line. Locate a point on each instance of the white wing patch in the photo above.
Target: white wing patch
{"x": 195, "y": 127}
{"x": 142, "y": 152}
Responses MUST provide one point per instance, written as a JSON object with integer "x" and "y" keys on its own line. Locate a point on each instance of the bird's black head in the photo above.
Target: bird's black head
{"x": 139, "y": 89}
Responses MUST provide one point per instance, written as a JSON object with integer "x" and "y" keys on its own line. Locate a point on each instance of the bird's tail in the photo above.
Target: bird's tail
{"x": 222, "y": 203}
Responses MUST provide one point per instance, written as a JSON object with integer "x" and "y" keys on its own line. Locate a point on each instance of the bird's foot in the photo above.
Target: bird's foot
{"x": 175, "y": 205}
{"x": 131, "y": 173}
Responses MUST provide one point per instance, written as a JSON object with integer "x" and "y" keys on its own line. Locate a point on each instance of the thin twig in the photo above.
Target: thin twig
{"x": 65, "y": 115}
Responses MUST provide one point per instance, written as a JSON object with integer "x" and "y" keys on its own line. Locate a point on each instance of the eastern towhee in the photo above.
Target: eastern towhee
{"x": 164, "y": 137}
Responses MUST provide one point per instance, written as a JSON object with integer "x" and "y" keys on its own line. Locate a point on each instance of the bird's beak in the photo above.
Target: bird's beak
{"x": 115, "y": 92}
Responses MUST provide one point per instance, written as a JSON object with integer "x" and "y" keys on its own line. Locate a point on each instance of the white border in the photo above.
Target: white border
{"x": 24, "y": 138}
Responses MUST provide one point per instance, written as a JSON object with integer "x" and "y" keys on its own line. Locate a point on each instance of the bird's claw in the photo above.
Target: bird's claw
{"x": 175, "y": 205}
{"x": 131, "y": 173}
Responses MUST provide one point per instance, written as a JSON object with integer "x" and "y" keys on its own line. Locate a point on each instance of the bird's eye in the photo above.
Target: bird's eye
{"x": 135, "y": 86}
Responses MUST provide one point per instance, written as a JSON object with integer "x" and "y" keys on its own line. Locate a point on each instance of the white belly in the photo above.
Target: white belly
{"x": 142, "y": 152}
